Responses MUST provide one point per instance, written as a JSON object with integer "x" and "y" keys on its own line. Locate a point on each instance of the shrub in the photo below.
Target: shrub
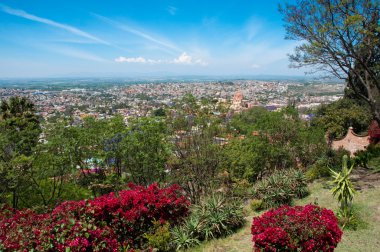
{"x": 106, "y": 223}
{"x": 213, "y": 218}
{"x": 182, "y": 239}
{"x": 160, "y": 236}
{"x": 256, "y": 204}
{"x": 299, "y": 228}
{"x": 335, "y": 158}
{"x": 281, "y": 187}
{"x": 239, "y": 188}
{"x": 319, "y": 169}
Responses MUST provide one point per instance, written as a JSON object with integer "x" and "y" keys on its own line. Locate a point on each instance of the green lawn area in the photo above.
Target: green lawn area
{"x": 366, "y": 238}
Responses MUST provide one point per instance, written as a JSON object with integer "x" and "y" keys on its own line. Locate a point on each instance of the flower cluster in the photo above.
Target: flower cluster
{"x": 299, "y": 228}
{"x": 107, "y": 223}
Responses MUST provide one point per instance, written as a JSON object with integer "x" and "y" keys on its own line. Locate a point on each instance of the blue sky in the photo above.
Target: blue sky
{"x": 156, "y": 37}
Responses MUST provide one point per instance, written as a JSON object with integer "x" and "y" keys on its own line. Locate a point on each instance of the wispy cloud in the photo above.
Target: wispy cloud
{"x": 138, "y": 33}
{"x": 172, "y": 10}
{"x": 183, "y": 59}
{"x": 75, "y": 53}
{"x": 68, "y": 28}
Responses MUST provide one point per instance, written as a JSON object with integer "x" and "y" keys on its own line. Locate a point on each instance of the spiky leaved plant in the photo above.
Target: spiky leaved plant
{"x": 343, "y": 189}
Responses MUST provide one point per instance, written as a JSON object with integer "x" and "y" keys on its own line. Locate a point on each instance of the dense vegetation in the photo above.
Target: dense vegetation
{"x": 107, "y": 223}
{"x": 66, "y": 184}
{"x": 217, "y": 161}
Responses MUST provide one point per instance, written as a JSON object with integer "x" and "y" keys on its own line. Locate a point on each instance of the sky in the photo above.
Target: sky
{"x": 133, "y": 37}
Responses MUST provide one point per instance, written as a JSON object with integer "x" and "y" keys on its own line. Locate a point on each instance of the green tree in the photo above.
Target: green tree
{"x": 145, "y": 150}
{"x": 51, "y": 169}
{"x": 281, "y": 141}
{"x": 243, "y": 122}
{"x": 342, "y": 38}
{"x": 196, "y": 163}
{"x": 336, "y": 117}
{"x": 19, "y": 133}
{"x": 159, "y": 112}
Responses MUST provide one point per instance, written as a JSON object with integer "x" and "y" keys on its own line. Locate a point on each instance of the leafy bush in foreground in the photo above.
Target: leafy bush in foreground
{"x": 299, "y": 228}
{"x": 280, "y": 188}
{"x": 215, "y": 217}
{"x": 107, "y": 223}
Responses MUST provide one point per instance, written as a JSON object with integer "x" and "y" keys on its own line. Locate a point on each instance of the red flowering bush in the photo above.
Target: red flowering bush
{"x": 299, "y": 228}
{"x": 107, "y": 223}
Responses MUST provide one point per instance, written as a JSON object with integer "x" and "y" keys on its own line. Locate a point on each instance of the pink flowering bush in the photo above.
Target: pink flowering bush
{"x": 107, "y": 223}
{"x": 299, "y": 228}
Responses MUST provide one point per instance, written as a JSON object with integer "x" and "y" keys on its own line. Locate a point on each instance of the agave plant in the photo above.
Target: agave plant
{"x": 343, "y": 189}
{"x": 182, "y": 239}
{"x": 215, "y": 217}
{"x": 281, "y": 187}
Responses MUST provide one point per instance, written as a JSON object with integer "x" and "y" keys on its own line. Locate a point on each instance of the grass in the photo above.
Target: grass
{"x": 374, "y": 163}
{"x": 366, "y": 238}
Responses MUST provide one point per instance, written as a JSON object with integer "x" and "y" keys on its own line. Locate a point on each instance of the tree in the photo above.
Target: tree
{"x": 280, "y": 140}
{"x": 336, "y": 117}
{"x": 197, "y": 163}
{"x": 145, "y": 150}
{"x": 341, "y": 37}
{"x": 19, "y": 134}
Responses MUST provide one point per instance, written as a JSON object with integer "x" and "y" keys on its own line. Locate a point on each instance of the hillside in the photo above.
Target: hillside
{"x": 367, "y": 200}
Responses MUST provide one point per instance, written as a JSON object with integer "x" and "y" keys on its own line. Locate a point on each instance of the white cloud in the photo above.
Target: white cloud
{"x": 186, "y": 59}
{"x": 172, "y": 10}
{"x": 183, "y": 59}
{"x": 255, "y": 66}
{"x": 135, "y": 60}
{"x": 71, "y": 29}
{"x": 139, "y": 33}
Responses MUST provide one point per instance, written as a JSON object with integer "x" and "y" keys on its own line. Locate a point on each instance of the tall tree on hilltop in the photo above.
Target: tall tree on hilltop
{"x": 341, "y": 37}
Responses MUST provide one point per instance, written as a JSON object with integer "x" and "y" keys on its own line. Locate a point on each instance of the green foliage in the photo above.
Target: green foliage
{"x": 373, "y": 154}
{"x": 196, "y": 162}
{"x": 239, "y": 188}
{"x": 332, "y": 159}
{"x": 256, "y": 204}
{"x": 362, "y": 158}
{"x": 281, "y": 141}
{"x": 319, "y": 169}
{"x": 159, "y": 112}
{"x": 340, "y": 38}
{"x": 145, "y": 151}
{"x": 182, "y": 239}
{"x": 160, "y": 236}
{"x": 280, "y": 188}
{"x": 19, "y": 134}
{"x": 344, "y": 191}
{"x": 243, "y": 122}
{"x": 343, "y": 188}
{"x": 215, "y": 217}
{"x": 338, "y": 116}
{"x": 348, "y": 219}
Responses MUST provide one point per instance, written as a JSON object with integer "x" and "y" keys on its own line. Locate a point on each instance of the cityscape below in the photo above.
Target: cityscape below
{"x": 103, "y": 98}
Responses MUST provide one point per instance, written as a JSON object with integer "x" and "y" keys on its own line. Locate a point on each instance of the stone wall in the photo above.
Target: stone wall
{"x": 351, "y": 142}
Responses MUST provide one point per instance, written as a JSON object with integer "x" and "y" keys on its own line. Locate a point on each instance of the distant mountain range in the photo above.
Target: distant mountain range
{"x": 87, "y": 82}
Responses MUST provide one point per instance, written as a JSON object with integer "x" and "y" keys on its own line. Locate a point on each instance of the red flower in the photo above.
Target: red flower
{"x": 300, "y": 228}
{"x": 106, "y": 223}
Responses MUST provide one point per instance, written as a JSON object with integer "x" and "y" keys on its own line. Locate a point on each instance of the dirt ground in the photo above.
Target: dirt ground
{"x": 363, "y": 178}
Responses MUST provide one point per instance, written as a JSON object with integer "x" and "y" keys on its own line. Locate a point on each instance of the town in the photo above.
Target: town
{"x": 140, "y": 99}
